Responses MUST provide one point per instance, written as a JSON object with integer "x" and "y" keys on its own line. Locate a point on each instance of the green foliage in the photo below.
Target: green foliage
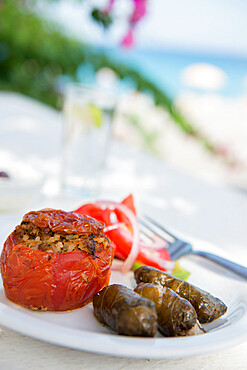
{"x": 149, "y": 138}
{"x": 34, "y": 53}
{"x": 102, "y": 18}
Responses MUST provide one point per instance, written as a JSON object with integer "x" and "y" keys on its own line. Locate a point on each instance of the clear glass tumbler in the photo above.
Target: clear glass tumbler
{"x": 88, "y": 113}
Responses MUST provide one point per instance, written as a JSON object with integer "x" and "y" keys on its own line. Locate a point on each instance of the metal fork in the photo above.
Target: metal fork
{"x": 177, "y": 247}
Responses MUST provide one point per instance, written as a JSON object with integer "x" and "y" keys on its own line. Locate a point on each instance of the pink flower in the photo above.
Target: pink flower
{"x": 140, "y": 9}
{"x": 138, "y": 12}
{"x": 109, "y": 6}
{"x": 222, "y": 150}
{"x": 128, "y": 39}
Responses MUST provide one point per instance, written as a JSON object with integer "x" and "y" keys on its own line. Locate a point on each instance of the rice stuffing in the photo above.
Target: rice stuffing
{"x": 45, "y": 239}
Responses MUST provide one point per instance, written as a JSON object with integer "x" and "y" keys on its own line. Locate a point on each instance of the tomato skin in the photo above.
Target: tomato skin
{"x": 129, "y": 203}
{"x": 96, "y": 212}
{"x": 52, "y": 281}
{"x": 57, "y": 220}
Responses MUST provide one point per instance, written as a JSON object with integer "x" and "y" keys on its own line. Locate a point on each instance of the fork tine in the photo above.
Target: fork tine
{"x": 146, "y": 234}
{"x": 149, "y": 236}
{"x": 146, "y": 230}
{"x": 176, "y": 247}
{"x": 157, "y": 231}
{"x": 159, "y": 227}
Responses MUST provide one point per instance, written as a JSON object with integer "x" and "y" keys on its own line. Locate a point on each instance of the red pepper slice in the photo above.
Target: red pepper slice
{"x": 121, "y": 236}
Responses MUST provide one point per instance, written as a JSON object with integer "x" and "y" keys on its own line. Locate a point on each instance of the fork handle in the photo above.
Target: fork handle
{"x": 231, "y": 266}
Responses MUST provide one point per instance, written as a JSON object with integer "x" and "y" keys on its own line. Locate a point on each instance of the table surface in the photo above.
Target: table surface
{"x": 214, "y": 213}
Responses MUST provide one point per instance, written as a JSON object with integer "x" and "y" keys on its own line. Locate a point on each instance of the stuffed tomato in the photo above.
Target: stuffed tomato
{"x": 55, "y": 260}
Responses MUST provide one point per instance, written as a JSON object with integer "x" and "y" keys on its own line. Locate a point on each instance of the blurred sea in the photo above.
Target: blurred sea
{"x": 164, "y": 67}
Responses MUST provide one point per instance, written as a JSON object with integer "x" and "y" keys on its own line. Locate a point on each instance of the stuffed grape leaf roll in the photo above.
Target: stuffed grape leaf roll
{"x": 176, "y": 316}
{"x": 125, "y": 311}
{"x": 208, "y": 307}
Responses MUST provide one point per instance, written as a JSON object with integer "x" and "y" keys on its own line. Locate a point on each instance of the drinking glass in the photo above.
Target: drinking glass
{"x": 88, "y": 116}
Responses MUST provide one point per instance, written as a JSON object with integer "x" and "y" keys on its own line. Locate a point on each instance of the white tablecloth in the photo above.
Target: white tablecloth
{"x": 23, "y": 353}
{"x": 185, "y": 204}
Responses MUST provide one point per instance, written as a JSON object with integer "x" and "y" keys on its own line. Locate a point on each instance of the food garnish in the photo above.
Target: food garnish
{"x": 55, "y": 260}
{"x": 122, "y": 227}
{"x": 208, "y": 307}
{"x": 125, "y": 311}
{"x": 179, "y": 272}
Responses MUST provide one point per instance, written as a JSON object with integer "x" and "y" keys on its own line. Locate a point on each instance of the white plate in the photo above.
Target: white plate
{"x": 78, "y": 329}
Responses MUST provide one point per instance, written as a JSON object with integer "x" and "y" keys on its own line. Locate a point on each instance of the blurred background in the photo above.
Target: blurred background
{"x": 178, "y": 67}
